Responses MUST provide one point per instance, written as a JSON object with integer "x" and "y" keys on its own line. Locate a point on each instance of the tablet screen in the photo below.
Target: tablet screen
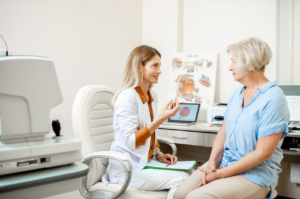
{"x": 188, "y": 113}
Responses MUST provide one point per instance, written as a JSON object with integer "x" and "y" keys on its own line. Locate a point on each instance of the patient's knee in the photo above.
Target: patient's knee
{"x": 203, "y": 195}
{"x": 179, "y": 194}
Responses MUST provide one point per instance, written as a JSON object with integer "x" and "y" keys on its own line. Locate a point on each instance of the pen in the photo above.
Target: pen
{"x": 174, "y": 97}
{"x": 168, "y": 164}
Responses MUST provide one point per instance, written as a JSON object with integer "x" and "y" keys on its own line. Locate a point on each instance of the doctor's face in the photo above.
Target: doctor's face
{"x": 152, "y": 70}
{"x": 235, "y": 70}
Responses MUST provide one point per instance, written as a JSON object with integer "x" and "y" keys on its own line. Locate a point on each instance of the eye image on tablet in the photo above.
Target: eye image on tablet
{"x": 187, "y": 112}
{"x": 184, "y": 112}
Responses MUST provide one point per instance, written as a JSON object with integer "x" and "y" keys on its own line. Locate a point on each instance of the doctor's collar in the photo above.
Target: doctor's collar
{"x": 142, "y": 96}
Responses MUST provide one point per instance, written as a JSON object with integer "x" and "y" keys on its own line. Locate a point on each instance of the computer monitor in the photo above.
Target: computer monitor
{"x": 188, "y": 113}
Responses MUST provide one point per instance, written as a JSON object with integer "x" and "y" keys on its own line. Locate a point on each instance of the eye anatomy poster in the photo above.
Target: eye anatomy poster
{"x": 193, "y": 77}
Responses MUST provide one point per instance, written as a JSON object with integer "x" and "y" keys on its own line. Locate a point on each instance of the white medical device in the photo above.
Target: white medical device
{"x": 28, "y": 90}
{"x": 216, "y": 113}
{"x": 292, "y": 94}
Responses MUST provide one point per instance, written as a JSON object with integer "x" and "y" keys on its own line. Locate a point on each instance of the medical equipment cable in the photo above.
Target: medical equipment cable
{"x": 5, "y": 45}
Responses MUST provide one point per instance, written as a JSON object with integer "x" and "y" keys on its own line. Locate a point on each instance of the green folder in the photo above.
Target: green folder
{"x": 179, "y": 165}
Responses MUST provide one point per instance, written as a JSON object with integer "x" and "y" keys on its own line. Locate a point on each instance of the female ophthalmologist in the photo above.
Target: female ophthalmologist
{"x": 135, "y": 120}
{"x": 246, "y": 154}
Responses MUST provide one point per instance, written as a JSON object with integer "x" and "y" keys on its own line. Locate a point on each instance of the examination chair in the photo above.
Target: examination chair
{"x": 92, "y": 118}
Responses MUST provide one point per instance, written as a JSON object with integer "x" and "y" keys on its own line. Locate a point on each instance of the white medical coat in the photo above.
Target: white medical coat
{"x": 130, "y": 115}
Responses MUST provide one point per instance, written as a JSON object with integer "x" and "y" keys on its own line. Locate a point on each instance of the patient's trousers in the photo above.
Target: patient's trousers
{"x": 165, "y": 179}
{"x": 235, "y": 187}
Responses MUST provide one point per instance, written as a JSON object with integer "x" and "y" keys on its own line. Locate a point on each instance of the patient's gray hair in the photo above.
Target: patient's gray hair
{"x": 251, "y": 54}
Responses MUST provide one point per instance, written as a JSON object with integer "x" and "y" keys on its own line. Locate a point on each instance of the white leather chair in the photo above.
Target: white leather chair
{"x": 92, "y": 118}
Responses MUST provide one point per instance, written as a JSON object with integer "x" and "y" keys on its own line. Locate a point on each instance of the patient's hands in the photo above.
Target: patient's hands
{"x": 210, "y": 173}
{"x": 167, "y": 158}
{"x": 166, "y": 112}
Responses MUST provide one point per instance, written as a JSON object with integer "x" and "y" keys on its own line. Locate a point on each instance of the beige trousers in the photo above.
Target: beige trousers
{"x": 235, "y": 187}
{"x": 164, "y": 179}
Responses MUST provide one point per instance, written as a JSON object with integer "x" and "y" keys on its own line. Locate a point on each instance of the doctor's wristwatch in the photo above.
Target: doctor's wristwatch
{"x": 159, "y": 153}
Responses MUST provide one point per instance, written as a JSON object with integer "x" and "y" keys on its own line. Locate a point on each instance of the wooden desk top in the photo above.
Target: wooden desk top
{"x": 205, "y": 127}
{"x": 198, "y": 127}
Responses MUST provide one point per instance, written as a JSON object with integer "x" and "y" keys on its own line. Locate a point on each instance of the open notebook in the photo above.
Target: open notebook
{"x": 180, "y": 165}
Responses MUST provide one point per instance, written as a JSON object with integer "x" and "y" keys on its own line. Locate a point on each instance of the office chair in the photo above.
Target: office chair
{"x": 92, "y": 119}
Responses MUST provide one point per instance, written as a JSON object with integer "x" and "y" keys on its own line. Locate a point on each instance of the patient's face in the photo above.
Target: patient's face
{"x": 152, "y": 70}
{"x": 233, "y": 68}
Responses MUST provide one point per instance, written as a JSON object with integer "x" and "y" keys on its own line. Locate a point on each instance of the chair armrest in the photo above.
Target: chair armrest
{"x": 168, "y": 141}
{"x": 107, "y": 154}
{"x": 123, "y": 159}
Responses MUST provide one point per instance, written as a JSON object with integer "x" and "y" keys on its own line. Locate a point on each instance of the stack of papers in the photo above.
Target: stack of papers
{"x": 179, "y": 165}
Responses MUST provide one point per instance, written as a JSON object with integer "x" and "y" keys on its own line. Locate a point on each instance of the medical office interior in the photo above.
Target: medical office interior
{"x": 88, "y": 42}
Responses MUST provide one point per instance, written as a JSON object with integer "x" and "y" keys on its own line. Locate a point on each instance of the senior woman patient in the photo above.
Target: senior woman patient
{"x": 246, "y": 154}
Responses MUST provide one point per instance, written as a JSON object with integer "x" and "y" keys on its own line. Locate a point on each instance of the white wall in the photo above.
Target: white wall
{"x": 211, "y": 26}
{"x": 207, "y": 26}
{"x": 289, "y": 42}
{"x": 160, "y": 30}
{"x": 89, "y": 41}
{"x": 296, "y": 47}
{"x": 286, "y": 42}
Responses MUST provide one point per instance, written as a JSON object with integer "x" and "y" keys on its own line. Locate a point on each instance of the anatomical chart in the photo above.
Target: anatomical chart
{"x": 192, "y": 76}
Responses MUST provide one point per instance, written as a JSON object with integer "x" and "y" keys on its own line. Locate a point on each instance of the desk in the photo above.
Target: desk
{"x": 193, "y": 142}
{"x": 42, "y": 183}
{"x": 199, "y": 134}
{"x": 199, "y": 138}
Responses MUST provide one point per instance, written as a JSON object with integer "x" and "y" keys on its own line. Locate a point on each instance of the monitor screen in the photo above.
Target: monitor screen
{"x": 188, "y": 112}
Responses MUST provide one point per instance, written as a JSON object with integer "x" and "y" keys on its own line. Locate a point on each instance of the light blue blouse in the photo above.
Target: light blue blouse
{"x": 265, "y": 114}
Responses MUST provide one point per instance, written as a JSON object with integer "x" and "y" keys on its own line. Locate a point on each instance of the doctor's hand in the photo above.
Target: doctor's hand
{"x": 167, "y": 112}
{"x": 167, "y": 158}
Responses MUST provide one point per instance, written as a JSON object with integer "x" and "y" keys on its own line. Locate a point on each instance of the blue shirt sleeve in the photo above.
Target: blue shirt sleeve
{"x": 275, "y": 117}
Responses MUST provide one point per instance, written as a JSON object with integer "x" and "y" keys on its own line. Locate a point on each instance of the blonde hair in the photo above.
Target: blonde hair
{"x": 252, "y": 54}
{"x": 133, "y": 73}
